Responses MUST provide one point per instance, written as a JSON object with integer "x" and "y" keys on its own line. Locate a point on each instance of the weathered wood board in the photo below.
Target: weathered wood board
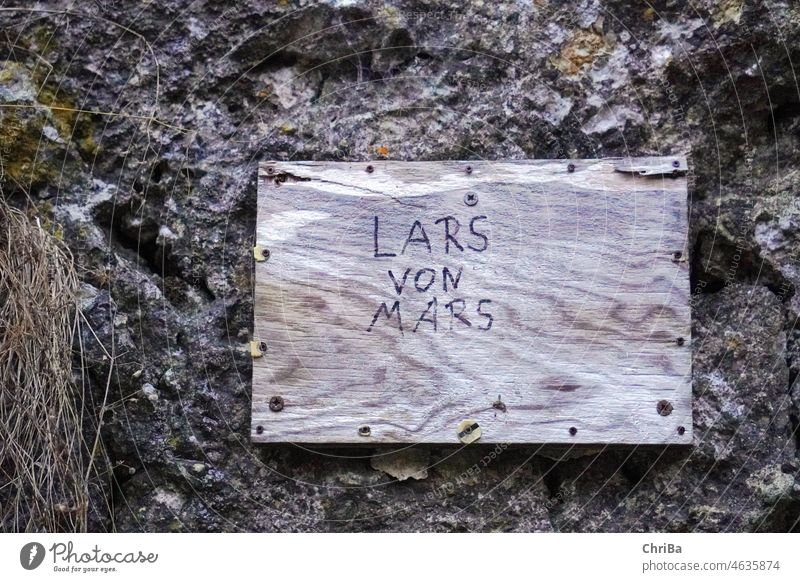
{"x": 548, "y": 301}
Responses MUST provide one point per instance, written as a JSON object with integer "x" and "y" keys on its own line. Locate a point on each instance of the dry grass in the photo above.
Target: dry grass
{"x": 43, "y": 458}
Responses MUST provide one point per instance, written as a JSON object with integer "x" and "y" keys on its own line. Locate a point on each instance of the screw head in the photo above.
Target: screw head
{"x": 259, "y": 429}
{"x": 680, "y": 341}
{"x": 573, "y": 431}
{"x": 470, "y": 199}
{"x": 270, "y": 170}
{"x": 681, "y": 430}
{"x": 370, "y": 169}
{"x": 676, "y": 164}
{"x": 262, "y": 345}
{"x": 468, "y": 169}
{"x": 570, "y": 168}
{"x": 364, "y": 431}
{"x": 664, "y": 407}
{"x": 276, "y": 403}
{"x": 677, "y": 255}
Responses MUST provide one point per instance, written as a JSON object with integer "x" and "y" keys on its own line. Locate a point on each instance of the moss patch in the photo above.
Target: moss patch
{"x": 582, "y": 49}
{"x": 37, "y": 127}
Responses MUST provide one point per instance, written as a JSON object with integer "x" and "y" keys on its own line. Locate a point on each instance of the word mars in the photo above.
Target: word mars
{"x": 426, "y": 280}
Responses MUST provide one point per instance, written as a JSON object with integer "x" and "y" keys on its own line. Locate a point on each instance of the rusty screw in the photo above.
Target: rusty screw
{"x": 364, "y": 431}
{"x": 499, "y": 404}
{"x": 468, "y": 169}
{"x": 664, "y": 407}
{"x": 570, "y": 168}
{"x": 370, "y": 169}
{"x": 276, "y": 403}
{"x": 259, "y": 429}
{"x": 681, "y": 430}
{"x": 470, "y": 199}
{"x": 573, "y": 431}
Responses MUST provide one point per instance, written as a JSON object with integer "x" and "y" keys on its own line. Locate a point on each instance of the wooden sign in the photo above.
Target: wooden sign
{"x": 448, "y": 302}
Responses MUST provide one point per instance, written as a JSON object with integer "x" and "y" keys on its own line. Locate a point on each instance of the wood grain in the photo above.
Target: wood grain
{"x": 570, "y": 283}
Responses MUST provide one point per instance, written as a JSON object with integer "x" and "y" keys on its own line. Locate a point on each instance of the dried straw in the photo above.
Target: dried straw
{"x": 43, "y": 478}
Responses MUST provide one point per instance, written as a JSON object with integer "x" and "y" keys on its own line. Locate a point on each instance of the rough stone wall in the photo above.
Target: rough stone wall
{"x": 154, "y": 191}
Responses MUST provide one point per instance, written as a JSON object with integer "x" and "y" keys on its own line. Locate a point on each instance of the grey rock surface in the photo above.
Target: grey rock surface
{"x": 153, "y": 187}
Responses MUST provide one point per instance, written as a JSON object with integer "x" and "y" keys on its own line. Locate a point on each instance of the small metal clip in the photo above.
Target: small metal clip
{"x": 260, "y": 254}
{"x": 468, "y": 431}
{"x": 657, "y": 168}
{"x": 255, "y": 348}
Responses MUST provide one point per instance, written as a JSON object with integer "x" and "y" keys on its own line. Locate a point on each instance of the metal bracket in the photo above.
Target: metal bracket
{"x": 676, "y": 167}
